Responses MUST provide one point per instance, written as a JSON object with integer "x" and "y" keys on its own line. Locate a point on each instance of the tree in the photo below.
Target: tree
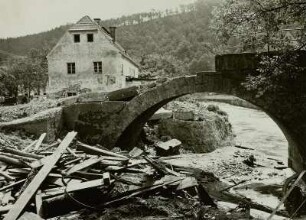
{"x": 261, "y": 24}
{"x": 265, "y": 25}
{"x": 26, "y": 75}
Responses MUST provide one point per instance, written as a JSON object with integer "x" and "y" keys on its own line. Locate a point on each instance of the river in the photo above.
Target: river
{"x": 254, "y": 128}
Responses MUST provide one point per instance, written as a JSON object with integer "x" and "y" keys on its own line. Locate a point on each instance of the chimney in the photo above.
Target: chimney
{"x": 98, "y": 20}
{"x": 112, "y": 31}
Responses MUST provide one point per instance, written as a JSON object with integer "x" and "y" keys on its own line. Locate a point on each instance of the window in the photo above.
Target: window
{"x": 71, "y": 93}
{"x": 76, "y": 38}
{"x": 90, "y": 37}
{"x": 97, "y": 67}
{"x": 71, "y": 68}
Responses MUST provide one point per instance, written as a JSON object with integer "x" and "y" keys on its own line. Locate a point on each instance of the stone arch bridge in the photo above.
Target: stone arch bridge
{"x": 119, "y": 123}
{"x": 117, "y": 118}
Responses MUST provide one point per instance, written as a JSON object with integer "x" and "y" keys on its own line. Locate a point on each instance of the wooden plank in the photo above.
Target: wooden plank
{"x": 20, "y": 153}
{"x": 85, "y": 164}
{"x": 98, "y": 151}
{"x": 136, "y": 152}
{"x": 71, "y": 152}
{"x": 12, "y": 185}
{"x": 26, "y": 149}
{"x": 142, "y": 190}
{"x": 72, "y": 188}
{"x": 4, "y": 209}
{"x": 28, "y": 193}
{"x": 30, "y": 216}
{"x": 22, "y": 158}
{"x": 39, "y": 203}
{"x": 13, "y": 161}
{"x": 187, "y": 182}
{"x": 6, "y": 198}
{"x": 39, "y": 142}
{"x": 6, "y": 176}
{"x": 106, "y": 179}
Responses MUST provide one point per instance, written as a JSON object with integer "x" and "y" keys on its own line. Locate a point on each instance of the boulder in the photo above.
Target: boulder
{"x": 168, "y": 148}
{"x": 203, "y": 136}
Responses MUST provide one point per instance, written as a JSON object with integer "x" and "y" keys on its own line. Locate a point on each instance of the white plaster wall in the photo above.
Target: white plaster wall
{"x": 83, "y": 54}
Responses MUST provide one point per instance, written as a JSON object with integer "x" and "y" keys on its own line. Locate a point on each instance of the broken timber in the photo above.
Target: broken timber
{"x": 39, "y": 142}
{"x": 90, "y": 149}
{"x": 28, "y": 193}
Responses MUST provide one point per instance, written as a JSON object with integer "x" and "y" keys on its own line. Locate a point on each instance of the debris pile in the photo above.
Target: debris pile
{"x": 52, "y": 180}
{"x": 42, "y": 181}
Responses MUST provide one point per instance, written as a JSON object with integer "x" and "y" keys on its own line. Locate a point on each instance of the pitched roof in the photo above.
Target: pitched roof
{"x": 84, "y": 24}
{"x": 87, "y": 24}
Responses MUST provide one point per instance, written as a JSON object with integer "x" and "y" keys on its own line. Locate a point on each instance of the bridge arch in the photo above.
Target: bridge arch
{"x": 287, "y": 109}
{"x": 141, "y": 108}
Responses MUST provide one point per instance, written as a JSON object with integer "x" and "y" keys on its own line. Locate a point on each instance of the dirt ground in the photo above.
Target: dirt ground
{"x": 9, "y": 113}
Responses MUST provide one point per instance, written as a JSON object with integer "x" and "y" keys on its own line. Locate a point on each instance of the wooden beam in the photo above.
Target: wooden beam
{"x": 31, "y": 189}
{"x": 12, "y": 185}
{"x": 85, "y": 164}
{"x": 72, "y": 188}
{"x": 39, "y": 203}
{"x": 26, "y": 149}
{"x": 98, "y": 151}
{"x": 39, "y": 142}
{"x": 20, "y": 153}
{"x": 13, "y": 161}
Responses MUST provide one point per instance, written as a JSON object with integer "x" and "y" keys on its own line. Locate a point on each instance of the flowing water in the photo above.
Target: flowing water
{"x": 254, "y": 128}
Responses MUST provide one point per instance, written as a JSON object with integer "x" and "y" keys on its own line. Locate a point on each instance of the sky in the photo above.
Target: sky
{"x": 22, "y": 17}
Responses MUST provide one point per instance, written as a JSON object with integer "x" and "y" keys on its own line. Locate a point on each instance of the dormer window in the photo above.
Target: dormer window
{"x": 90, "y": 37}
{"x": 76, "y": 38}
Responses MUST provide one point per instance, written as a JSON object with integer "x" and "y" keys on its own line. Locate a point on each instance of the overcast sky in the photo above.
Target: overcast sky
{"x": 22, "y": 17}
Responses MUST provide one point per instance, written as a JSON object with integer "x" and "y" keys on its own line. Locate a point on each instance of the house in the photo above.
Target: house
{"x": 88, "y": 58}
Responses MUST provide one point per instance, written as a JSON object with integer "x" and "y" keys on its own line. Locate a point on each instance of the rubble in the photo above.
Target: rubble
{"x": 39, "y": 181}
{"x": 69, "y": 173}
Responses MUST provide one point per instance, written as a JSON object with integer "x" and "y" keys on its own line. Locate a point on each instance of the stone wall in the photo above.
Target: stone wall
{"x": 49, "y": 121}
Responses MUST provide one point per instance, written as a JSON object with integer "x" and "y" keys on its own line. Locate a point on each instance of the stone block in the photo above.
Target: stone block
{"x": 68, "y": 100}
{"x": 93, "y": 97}
{"x": 162, "y": 114}
{"x": 123, "y": 94}
{"x": 168, "y": 148}
{"x": 183, "y": 115}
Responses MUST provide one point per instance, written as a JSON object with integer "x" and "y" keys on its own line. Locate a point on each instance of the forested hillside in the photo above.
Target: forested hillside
{"x": 169, "y": 43}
